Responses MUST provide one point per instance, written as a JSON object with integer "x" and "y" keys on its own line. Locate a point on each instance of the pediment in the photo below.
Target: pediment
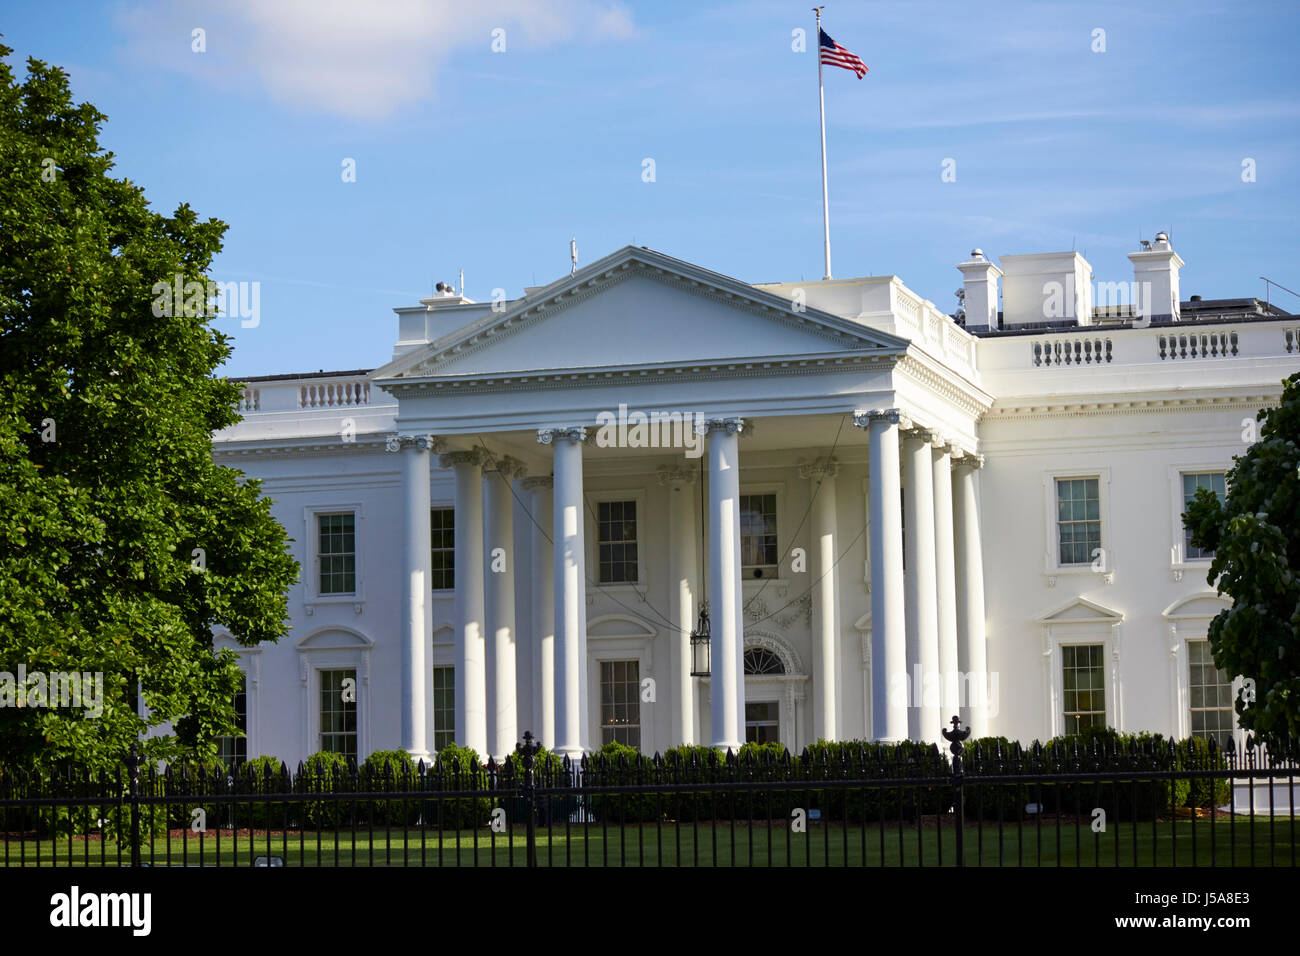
{"x": 620, "y": 626}
{"x": 636, "y": 306}
{"x": 335, "y": 638}
{"x": 1081, "y": 611}
{"x": 1204, "y": 605}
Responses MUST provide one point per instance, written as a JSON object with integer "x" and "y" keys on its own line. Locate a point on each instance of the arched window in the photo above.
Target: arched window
{"x": 759, "y": 660}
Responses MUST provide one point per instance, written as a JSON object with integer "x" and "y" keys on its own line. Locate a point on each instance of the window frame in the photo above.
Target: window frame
{"x": 591, "y": 528}
{"x": 1233, "y": 684}
{"x": 775, "y": 724}
{"x": 1101, "y": 667}
{"x": 636, "y": 700}
{"x": 359, "y": 754}
{"x": 1052, "y": 567}
{"x": 443, "y": 507}
{"x": 433, "y": 705}
{"x": 782, "y": 533}
{"x": 311, "y": 581}
{"x": 1178, "y": 560}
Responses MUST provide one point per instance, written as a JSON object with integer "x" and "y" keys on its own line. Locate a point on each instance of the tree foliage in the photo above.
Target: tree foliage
{"x": 106, "y": 472}
{"x": 1255, "y": 536}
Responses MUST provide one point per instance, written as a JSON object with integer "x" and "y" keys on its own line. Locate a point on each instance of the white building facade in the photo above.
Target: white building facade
{"x": 893, "y": 515}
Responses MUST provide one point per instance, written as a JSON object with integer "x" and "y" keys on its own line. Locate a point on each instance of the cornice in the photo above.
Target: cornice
{"x": 1086, "y": 408}
{"x": 298, "y": 448}
{"x": 966, "y": 397}
{"x": 664, "y": 373}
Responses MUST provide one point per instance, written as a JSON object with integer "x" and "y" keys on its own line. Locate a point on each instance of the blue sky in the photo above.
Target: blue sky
{"x": 490, "y": 161}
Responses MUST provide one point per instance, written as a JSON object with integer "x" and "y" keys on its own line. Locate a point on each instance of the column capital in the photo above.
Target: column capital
{"x": 470, "y": 456}
{"x": 505, "y": 464}
{"x": 823, "y": 467}
{"x": 968, "y": 460}
{"x": 928, "y": 436}
{"x": 731, "y": 426}
{"x": 573, "y": 433}
{"x": 538, "y": 482}
{"x": 423, "y": 441}
{"x": 892, "y": 416}
{"x": 675, "y": 475}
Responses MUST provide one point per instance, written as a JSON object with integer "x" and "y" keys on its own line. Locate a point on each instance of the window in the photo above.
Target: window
{"x": 620, "y": 702}
{"x": 1215, "y": 481}
{"x": 442, "y": 537}
{"x": 1083, "y": 683}
{"x": 758, "y": 553}
{"x": 338, "y": 712}
{"x": 337, "y": 553}
{"x": 1210, "y": 694}
{"x": 1078, "y": 519}
{"x": 762, "y": 721}
{"x": 616, "y": 541}
{"x": 759, "y": 660}
{"x": 233, "y": 751}
{"x": 444, "y": 707}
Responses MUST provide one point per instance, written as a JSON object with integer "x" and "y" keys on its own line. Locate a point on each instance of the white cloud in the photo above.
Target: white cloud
{"x": 348, "y": 57}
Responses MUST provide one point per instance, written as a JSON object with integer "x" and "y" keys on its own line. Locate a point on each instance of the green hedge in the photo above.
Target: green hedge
{"x": 460, "y": 768}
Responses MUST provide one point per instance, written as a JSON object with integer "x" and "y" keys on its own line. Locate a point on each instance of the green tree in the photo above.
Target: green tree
{"x": 111, "y": 500}
{"x": 1255, "y": 536}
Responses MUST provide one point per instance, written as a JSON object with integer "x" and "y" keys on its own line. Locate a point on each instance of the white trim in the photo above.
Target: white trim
{"x": 1052, "y": 568}
{"x": 1183, "y": 627}
{"x": 1097, "y": 625}
{"x": 444, "y": 505}
{"x": 594, "y": 499}
{"x": 311, "y": 580}
{"x": 250, "y": 662}
{"x": 1178, "y": 561}
{"x": 632, "y": 640}
{"x": 334, "y": 648}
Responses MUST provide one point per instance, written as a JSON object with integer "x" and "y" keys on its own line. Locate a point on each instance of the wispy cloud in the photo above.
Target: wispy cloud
{"x": 355, "y": 60}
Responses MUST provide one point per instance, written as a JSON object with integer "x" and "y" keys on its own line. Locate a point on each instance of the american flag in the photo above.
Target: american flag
{"x": 832, "y": 54}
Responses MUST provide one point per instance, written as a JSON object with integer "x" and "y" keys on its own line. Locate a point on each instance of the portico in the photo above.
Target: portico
{"x": 828, "y": 480}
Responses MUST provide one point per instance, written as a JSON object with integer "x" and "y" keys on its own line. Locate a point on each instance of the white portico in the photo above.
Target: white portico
{"x": 533, "y": 406}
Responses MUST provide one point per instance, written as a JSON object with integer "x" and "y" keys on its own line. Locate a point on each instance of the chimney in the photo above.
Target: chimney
{"x": 980, "y": 283}
{"x": 1155, "y": 280}
{"x": 1046, "y": 287}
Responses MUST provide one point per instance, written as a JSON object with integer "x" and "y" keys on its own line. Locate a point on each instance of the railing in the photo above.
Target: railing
{"x": 250, "y": 400}
{"x": 1292, "y": 337}
{"x": 1058, "y": 350}
{"x": 1136, "y": 805}
{"x": 1197, "y": 345}
{"x": 334, "y": 394}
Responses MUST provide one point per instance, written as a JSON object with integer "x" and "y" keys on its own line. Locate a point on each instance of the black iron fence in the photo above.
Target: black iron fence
{"x": 981, "y": 804}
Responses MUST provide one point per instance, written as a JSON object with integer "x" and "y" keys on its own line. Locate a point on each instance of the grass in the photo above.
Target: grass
{"x": 1165, "y": 843}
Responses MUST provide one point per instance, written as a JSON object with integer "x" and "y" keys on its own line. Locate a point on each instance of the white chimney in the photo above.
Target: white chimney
{"x": 980, "y": 282}
{"x": 1155, "y": 279}
{"x": 1046, "y": 287}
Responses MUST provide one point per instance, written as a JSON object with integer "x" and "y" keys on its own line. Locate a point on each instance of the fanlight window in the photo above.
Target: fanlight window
{"x": 759, "y": 660}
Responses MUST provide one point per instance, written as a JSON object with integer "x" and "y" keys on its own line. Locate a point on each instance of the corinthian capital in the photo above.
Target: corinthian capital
{"x": 824, "y": 467}
{"x": 470, "y": 456}
{"x": 507, "y": 466}
{"x": 675, "y": 475}
{"x": 732, "y": 426}
{"x": 422, "y": 441}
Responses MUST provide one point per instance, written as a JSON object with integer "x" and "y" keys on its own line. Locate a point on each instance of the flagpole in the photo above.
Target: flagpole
{"x": 821, "y": 99}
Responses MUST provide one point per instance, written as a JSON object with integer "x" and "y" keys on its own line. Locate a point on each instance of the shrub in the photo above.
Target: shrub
{"x": 327, "y": 772}
{"x": 263, "y": 777}
{"x": 386, "y": 770}
{"x": 460, "y": 768}
{"x": 618, "y": 765}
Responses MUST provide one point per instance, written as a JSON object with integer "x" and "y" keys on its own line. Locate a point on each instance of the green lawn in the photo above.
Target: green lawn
{"x": 683, "y": 844}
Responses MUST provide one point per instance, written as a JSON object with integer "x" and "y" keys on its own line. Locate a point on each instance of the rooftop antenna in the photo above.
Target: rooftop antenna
{"x": 573, "y": 254}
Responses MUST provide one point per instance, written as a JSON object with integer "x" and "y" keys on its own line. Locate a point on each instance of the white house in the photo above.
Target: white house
{"x": 894, "y": 515}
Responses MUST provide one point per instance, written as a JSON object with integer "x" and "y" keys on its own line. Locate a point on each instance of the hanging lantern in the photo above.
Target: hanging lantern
{"x": 700, "y": 645}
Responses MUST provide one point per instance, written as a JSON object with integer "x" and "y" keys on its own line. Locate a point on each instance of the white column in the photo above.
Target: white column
{"x": 679, "y": 479}
{"x": 570, "y": 590}
{"x": 499, "y": 602}
{"x": 945, "y": 583}
{"x": 825, "y": 599}
{"x": 543, "y": 569}
{"x": 924, "y": 722}
{"x": 970, "y": 595}
{"x": 726, "y": 613}
{"x": 888, "y": 630}
{"x": 471, "y": 681}
{"x": 416, "y": 583}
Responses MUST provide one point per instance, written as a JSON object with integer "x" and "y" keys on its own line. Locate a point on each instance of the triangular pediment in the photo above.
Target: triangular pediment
{"x": 640, "y": 307}
{"x": 1082, "y": 611}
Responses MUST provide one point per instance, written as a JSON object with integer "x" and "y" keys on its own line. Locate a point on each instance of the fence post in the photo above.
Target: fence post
{"x": 133, "y": 793}
{"x": 528, "y": 752}
{"x": 955, "y": 738}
